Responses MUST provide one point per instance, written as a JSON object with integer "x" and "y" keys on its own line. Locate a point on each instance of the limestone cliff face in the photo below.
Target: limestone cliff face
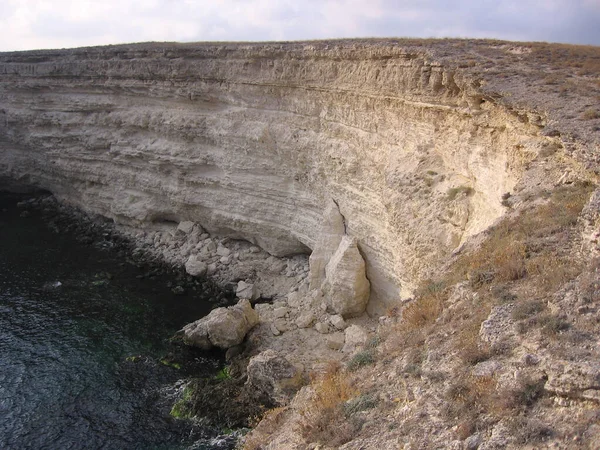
{"x": 254, "y": 140}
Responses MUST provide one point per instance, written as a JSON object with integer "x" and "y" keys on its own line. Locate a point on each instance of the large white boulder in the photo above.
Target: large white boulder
{"x": 332, "y": 231}
{"x": 223, "y": 327}
{"x": 346, "y": 285}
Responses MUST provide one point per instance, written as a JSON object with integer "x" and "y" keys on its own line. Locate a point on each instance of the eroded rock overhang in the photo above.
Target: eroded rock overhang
{"x": 254, "y": 140}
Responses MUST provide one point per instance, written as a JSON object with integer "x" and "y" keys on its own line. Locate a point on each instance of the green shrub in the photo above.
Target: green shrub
{"x": 361, "y": 359}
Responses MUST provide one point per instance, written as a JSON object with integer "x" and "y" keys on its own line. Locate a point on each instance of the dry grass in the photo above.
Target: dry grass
{"x": 324, "y": 419}
{"x": 470, "y": 348}
{"x": 530, "y": 245}
{"x": 269, "y": 424}
{"x": 590, "y": 114}
{"x": 473, "y": 400}
{"x": 426, "y": 308}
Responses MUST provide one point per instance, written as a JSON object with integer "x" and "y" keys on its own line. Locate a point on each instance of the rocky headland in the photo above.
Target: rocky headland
{"x": 410, "y": 227}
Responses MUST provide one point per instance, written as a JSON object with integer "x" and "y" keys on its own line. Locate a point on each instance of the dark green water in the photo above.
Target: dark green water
{"x": 65, "y": 380}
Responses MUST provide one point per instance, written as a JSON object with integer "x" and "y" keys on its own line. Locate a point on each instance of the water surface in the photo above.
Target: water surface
{"x": 82, "y": 333}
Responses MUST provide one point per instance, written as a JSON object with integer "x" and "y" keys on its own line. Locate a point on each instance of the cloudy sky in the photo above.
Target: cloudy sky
{"x": 30, "y": 24}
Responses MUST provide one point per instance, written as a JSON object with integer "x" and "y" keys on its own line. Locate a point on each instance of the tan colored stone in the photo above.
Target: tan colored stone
{"x": 346, "y": 286}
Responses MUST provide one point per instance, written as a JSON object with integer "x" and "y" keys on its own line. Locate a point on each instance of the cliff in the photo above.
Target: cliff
{"x": 252, "y": 140}
{"x": 396, "y": 152}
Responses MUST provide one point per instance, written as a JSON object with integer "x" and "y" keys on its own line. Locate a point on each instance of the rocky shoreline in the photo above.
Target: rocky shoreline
{"x": 278, "y": 334}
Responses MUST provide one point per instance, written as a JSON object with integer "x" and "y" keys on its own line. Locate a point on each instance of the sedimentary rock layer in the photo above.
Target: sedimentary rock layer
{"x": 254, "y": 140}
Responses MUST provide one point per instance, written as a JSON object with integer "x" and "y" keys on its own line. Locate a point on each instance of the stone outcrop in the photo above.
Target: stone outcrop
{"x": 346, "y": 286}
{"x": 251, "y": 141}
{"x": 333, "y": 229}
{"x": 273, "y": 376}
{"x": 223, "y": 327}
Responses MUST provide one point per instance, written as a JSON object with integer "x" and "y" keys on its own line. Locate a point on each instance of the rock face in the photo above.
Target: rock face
{"x": 223, "y": 327}
{"x": 252, "y": 141}
{"x": 272, "y": 375}
{"x": 346, "y": 285}
{"x": 333, "y": 229}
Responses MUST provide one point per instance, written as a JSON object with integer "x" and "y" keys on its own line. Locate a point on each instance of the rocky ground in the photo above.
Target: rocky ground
{"x": 499, "y": 350}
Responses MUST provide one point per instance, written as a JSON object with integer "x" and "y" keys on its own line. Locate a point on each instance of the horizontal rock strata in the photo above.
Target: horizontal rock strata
{"x": 253, "y": 141}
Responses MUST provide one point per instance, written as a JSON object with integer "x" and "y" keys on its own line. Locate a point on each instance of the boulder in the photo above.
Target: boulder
{"x": 223, "y": 327}
{"x": 338, "y": 322}
{"x": 346, "y": 286}
{"x": 305, "y": 320}
{"x": 195, "y": 267}
{"x": 223, "y": 251}
{"x": 322, "y": 327}
{"x": 271, "y": 375}
{"x": 246, "y": 291}
{"x": 356, "y": 337}
{"x": 332, "y": 231}
{"x": 185, "y": 227}
{"x": 574, "y": 379}
{"x": 196, "y": 335}
{"x": 336, "y": 341}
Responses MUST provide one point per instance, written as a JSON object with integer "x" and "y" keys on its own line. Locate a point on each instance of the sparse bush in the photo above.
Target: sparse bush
{"x": 470, "y": 349}
{"x": 323, "y": 419}
{"x": 460, "y": 190}
{"x": 527, "y": 309}
{"x": 360, "y": 403}
{"x": 553, "y": 325}
{"x": 528, "y": 431}
{"x": 361, "y": 359}
{"x": 523, "y": 396}
{"x": 469, "y": 396}
{"x": 590, "y": 114}
{"x": 427, "y": 307}
{"x": 517, "y": 247}
{"x": 373, "y": 342}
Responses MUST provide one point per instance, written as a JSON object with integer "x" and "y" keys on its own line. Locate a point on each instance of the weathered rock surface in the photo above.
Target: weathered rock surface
{"x": 333, "y": 229}
{"x": 252, "y": 141}
{"x": 195, "y": 266}
{"x": 346, "y": 286}
{"x": 223, "y": 327}
{"x": 246, "y": 291}
{"x": 355, "y": 339}
{"x": 272, "y": 375}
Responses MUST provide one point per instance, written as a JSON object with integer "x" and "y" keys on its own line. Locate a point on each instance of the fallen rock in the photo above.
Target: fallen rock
{"x": 338, "y": 322}
{"x": 223, "y": 251}
{"x": 223, "y": 327}
{"x": 273, "y": 376}
{"x": 356, "y": 337}
{"x": 346, "y": 286}
{"x": 322, "y": 327}
{"x": 305, "y": 320}
{"x": 185, "y": 227}
{"x": 332, "y": 230}
{"x": 499, "y": 325}
{"x": 246, "y": 291}
{"x": 211, "y": 269}
{"x": 196, "y": 335}
{"x": 280, "y": 312}
{"x": 294, "y": 299}
{"x": 195, "y": 267}
{"x": 282, "y": 325}
{"x": 336, "y": 341}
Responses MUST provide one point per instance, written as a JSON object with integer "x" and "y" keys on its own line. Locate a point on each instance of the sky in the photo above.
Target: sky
{"x": 35, "y": 24}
